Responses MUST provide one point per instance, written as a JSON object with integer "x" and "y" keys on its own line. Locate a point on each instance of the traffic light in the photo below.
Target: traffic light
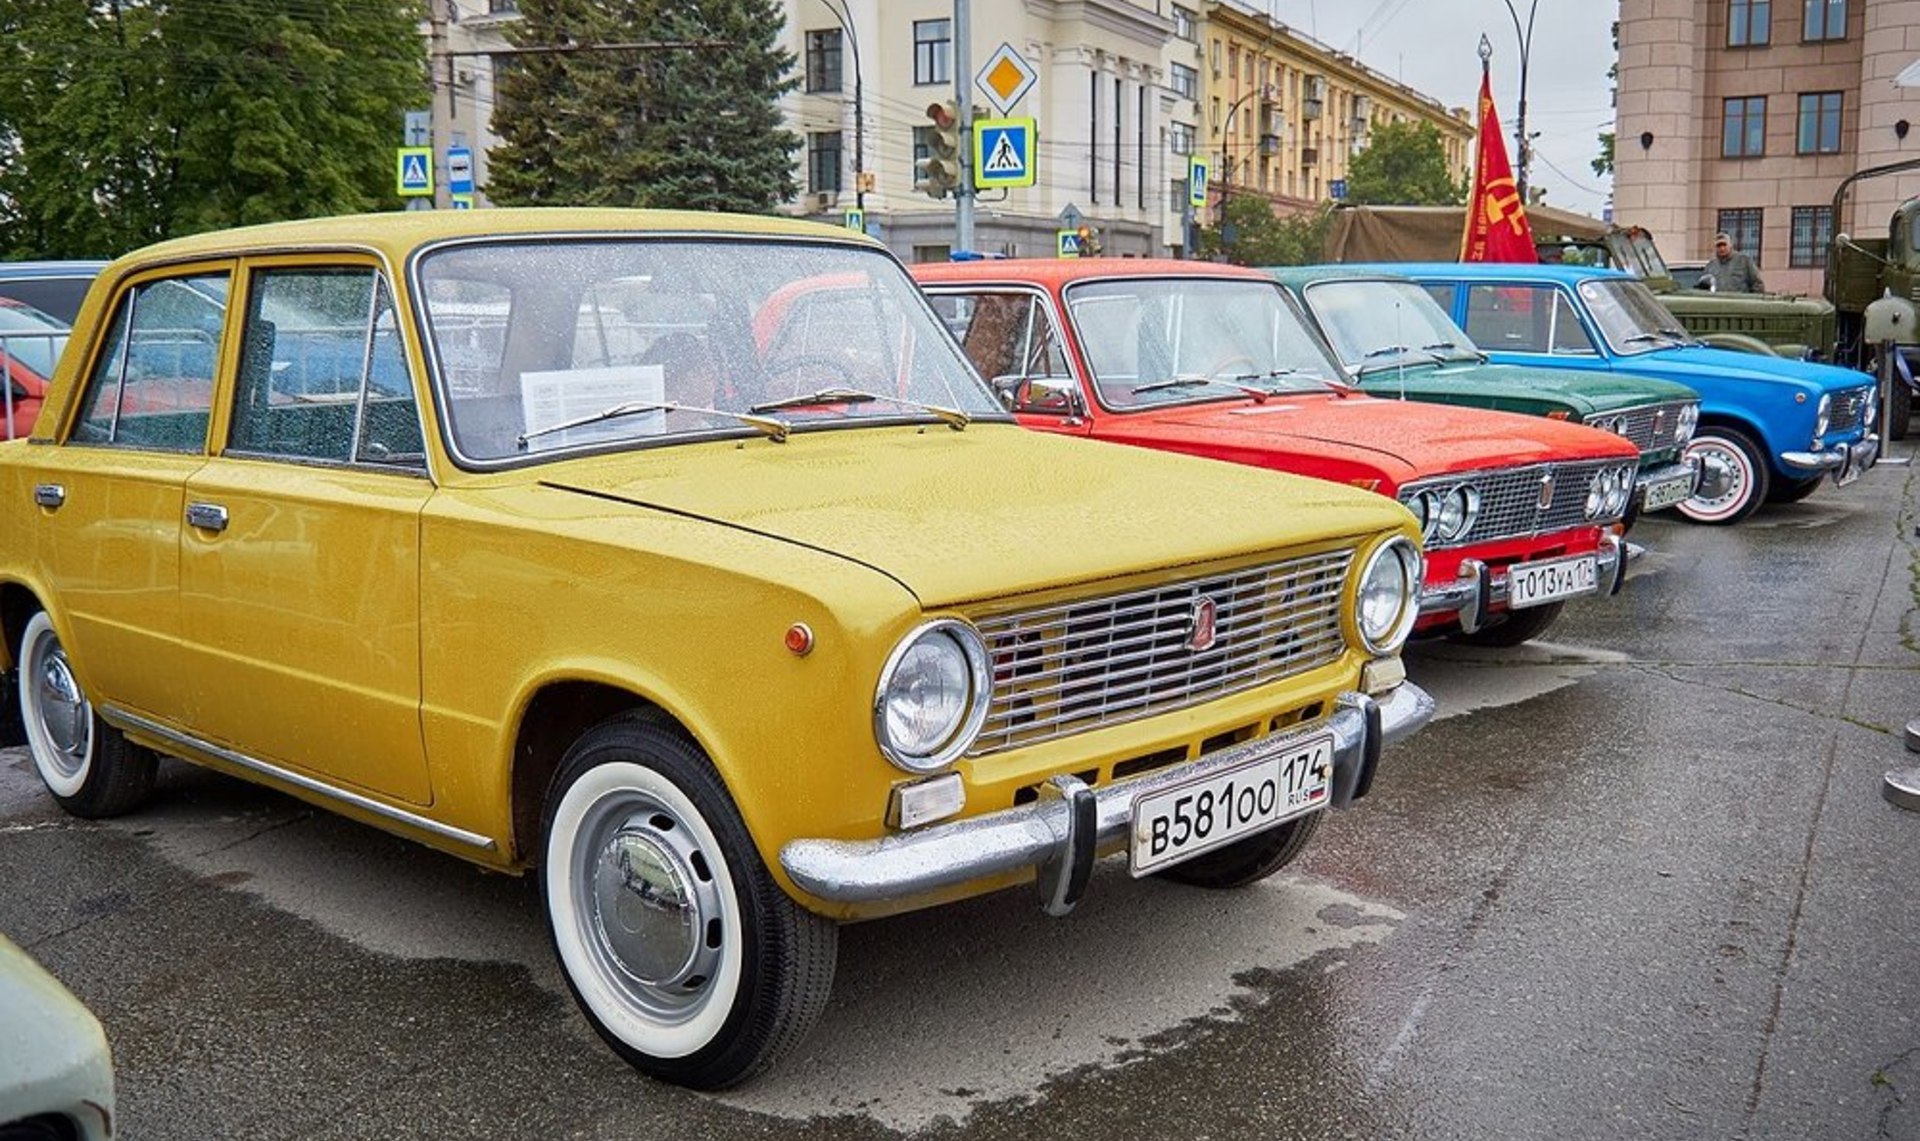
{"x": 1089, "y": 242}
{"x": 939, "y": 172}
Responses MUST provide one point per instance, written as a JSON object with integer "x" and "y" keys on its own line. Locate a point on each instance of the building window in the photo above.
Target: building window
{"x": 1747, "y": 23}
{"x": 1743, "y": 127}
{"x": 1825, "y": 20}
{"x": 823, "y": 60}
{"x": 1216, "y": 59}
{"x": 1184, "y": 80}
{"x": 922, "y": 151}
{"x": 1177, "y": 196}
{"x": 502, "y": 7}
{"x": 1233, "y": 63}
{"x": 1180, "y": 135}
{"x": 932, "y": 52}
{"x": 1743, "y": 226}
{"x": 1183, "y": 23}
{"x": 1812, "y": 231}
{"x": 823, "y": 161}
{"x": 1819, "y": 132}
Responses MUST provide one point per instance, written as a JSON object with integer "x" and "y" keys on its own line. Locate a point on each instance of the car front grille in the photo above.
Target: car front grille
{"x": 1511, "y": 499}
{"x": 1652, "y": 427}
{"x": 1069, "y": 668}
{"x": 1849, "y": 409}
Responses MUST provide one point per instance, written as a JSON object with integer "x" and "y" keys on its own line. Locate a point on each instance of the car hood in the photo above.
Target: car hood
{"x": 1681, "y": 362}
{"x": 1403, "y": 440}
{"x": 1584, "y": 393}
{"x": 993, "y": 511}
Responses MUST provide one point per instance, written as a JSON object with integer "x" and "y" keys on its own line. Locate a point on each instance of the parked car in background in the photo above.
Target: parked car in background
{"x": 56, "y": 1072}
{"x": 30, "y": 343}
{"x": 530, "y": 535}
{"x": 56, "y": 288}
{"x": 1771, "y": 429}
{"x": 1519, "y": 514}
{"x": 1398, "y": 342}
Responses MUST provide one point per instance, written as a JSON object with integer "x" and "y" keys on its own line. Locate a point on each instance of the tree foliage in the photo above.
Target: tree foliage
{"x": 1252, "y": 234}
{"x": 123, "y": 122}
{"x": 1404, "y": 165}
{"x": 690, "y": 128}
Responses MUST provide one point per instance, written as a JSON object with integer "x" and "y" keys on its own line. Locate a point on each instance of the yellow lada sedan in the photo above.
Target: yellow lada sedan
{"x": 681, "y": 562}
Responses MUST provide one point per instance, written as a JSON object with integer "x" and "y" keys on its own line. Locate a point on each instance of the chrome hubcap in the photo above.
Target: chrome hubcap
{"x": 1723, "y": 479}
{"x": 62, "y": 709}
{"x": 652, "y": 906}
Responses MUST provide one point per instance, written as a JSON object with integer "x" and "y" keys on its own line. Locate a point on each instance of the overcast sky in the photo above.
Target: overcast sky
{"x": 1432, "y": 46}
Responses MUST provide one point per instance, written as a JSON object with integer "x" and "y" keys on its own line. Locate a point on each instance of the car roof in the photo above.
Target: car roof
{"x": 1301, "y": 276}
{"x": 48, "y": 270}
{"x": 398, "y": 234}
{"x": 1495, "y": 271}
{"x": 1060, "y": 271}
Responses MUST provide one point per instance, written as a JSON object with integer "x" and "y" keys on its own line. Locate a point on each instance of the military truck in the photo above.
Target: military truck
{"x": 1777, "y": 323}
{"x": 1874, "y": 284}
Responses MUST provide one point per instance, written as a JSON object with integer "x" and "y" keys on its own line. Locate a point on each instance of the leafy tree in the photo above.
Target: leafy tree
{"x": 1603, "y": 165}
{"x": 693, "y": 128}
{"x": 1404, "y": 165}
{"x": 1252, "y": 234}
{"x": 123, "y": 122}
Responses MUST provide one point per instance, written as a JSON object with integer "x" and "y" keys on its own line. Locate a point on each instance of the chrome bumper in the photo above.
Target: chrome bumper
{"x": 1478, "y": 591}
{"x": 1060, "y": 834}
{"x": 1842, "y": 460}
{"x": 1652, "y": 477}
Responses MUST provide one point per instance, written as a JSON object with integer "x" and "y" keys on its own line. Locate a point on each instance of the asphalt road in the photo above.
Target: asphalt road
{"x": 1638, "y": 882}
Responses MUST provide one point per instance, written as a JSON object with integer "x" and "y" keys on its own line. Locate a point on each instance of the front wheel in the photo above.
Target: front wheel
{"x": 1733, "y": 477}
{"x": 1520, "y": 626}
{"x": 1247, "y": 861}
{"x": 91, "y": 769}
{"x": 680, "y": 949}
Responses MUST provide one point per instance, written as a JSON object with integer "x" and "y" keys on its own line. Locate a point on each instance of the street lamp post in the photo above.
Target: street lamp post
{"x": 1521, "y": 142}
{"x": 1226, "y": 148}
{"x": 844, "y": 15}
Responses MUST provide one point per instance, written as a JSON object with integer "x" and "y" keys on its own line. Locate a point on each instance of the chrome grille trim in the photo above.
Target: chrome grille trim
{"x": 1849, "y": 409}
{"x": 1107, "y": 660}
{"x": 1510, "y": 499}
{"x": 1651, "y": 427}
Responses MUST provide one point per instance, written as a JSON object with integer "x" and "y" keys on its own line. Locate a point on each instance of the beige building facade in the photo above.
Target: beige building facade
{"x": 1744, "y": 116}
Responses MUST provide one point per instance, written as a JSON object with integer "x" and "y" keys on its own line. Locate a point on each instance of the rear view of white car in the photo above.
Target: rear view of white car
{"x": 56, "y": 1075}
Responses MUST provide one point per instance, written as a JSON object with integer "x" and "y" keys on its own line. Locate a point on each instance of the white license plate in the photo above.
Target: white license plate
{"x": 1668, "y": 493}
{"x": 1181, "y": 822}
{"x": 1532, "y": 584}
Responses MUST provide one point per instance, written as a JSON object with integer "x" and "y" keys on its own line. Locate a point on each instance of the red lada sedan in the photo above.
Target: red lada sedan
{"x": 1519, "y": 513}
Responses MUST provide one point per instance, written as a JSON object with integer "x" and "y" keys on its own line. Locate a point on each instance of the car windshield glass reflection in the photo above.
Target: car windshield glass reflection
{"x": 1152, "y": 341}
{"x": 30, "y": 337}
{"x": 602, "y": 343}
{"x": 1631, "y": 318}
{"x": 1377, "y": 325}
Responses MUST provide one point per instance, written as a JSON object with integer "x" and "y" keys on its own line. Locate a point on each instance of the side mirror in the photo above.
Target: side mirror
{"x": 1051, "y": 395}
{"x": 1705, "y": 282}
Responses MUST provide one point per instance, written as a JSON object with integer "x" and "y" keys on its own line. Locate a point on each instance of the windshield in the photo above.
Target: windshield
{"x": 568, "y": 344}
{"x": 1647, "y": 261}
{"x": 1631, "y": 318}
{"x": 30, "y": 337}
{"x": 1386, "y": 324}
{"x": 1153, "y": 341}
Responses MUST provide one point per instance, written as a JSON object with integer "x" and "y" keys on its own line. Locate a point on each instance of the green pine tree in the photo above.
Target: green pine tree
{"x": 690, "y": 128}
{"x": 1405, "y": 164}
{"x": 124, "y": 122}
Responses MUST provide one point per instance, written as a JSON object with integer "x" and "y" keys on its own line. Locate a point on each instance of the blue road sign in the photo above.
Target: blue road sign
{"x": 414, "y": 173}
{"x": 1002, "y": 153}
{"x": 1337, "y": 189}
{"x": 460, "y": 170}
{"x": 1197, "y": 172}
{"x": 1068, "y": 243}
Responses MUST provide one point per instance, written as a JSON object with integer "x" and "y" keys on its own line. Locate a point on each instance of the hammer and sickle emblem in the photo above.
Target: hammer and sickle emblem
{"x": 1504, "y": 207}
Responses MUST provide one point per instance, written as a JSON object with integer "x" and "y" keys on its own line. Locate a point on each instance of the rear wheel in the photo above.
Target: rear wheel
{"x": 92, "y": 770}
{"x": 1520, "y": 626}
{"x": 680, "y": 949}
{"x": 1733, "y": 477}
{"x": 1247, "y": 861}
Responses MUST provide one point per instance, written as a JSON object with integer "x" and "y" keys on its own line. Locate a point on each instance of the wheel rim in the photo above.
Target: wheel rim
{"x": 59, "y": 716}
{"x": 644, "y": 914}
{"x": 1726, "y": 480}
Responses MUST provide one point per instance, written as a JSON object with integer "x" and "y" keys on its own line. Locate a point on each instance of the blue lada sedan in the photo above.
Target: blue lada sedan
{"x": 1771, "y": 430}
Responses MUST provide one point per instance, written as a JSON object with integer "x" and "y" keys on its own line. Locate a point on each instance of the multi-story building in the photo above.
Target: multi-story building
{"x": 1743, "y": 116}
{"x": 1284, "y": 115}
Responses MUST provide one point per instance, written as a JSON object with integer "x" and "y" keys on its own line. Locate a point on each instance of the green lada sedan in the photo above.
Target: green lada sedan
{"x": 1398, "y": 342}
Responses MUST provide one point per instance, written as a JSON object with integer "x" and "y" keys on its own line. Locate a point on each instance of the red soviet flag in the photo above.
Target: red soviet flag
{"x": 1497, "y": 228}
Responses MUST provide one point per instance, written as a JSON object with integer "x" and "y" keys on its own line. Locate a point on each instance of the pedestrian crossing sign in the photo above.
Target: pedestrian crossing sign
{"x": 414, "y": 172}
{"x": 1003, "y": 153}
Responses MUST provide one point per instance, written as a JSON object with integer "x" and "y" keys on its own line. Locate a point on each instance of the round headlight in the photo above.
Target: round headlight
{"x": 1596, "y": 493}
{"x": 1389, "y": 596}
{"x": 1425, "y": 512}
{"x": 932, "y": 697}
{"x": 1457, "y": 511}
{"x": 1622, "y": 491}
{"x": 1823, "y": 416}
{"x": 1689, "y": 420}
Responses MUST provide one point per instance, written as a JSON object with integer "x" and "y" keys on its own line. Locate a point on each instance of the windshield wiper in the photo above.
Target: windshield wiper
{"x": 1680, "y": 335}
{"x": 952, "y": 417}
{"x": 1456, "y": 347}
{"x": 1339, "y": 388}
{"x": 1178, "y": 382}
{"x": 1391, "y": 350}
{"x": 777, "y": 430}
{"x": 1663, "y": 335}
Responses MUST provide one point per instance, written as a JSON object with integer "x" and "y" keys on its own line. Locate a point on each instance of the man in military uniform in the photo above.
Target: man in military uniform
{"x": 1731, "y": 270}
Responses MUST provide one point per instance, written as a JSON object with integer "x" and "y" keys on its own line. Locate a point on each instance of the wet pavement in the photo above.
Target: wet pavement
{"x": 1638, "y": 881}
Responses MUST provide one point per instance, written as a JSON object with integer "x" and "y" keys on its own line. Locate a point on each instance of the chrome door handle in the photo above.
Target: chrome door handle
{"x": 49, "y": 495}
{"x": 207, "y": 516}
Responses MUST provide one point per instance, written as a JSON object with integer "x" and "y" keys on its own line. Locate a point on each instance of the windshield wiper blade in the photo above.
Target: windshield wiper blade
{"x": 952, "y": 417}
{"x": 1337, "y": 387}
{"x": 777, "y": 430}
{"x": 1680, "y": 335}
{"x": 1473, "y": 351}
{"x": 1641, "y": 338}
{"x": 1178, "y": 382}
